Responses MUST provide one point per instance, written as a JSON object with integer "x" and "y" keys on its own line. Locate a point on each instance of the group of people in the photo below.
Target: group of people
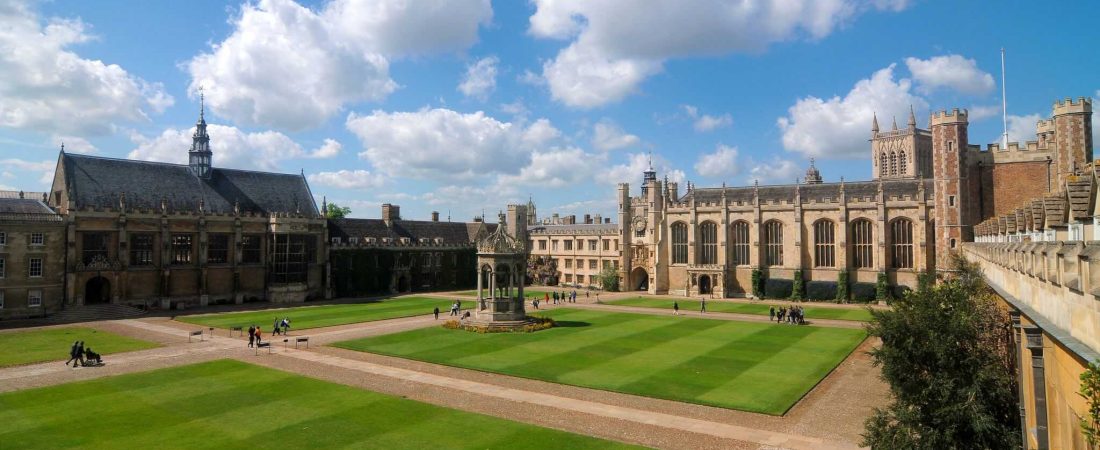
{"x": 281, "y": 326}
{"x": 564, "y": 297}
{"x": 254, "y": 336}
{"x": 702, "y": 306}
{"x": 83, "y": 356}
{"x": 792, "y": 315}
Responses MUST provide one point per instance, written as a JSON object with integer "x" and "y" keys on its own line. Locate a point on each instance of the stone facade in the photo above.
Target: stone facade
{"x": 580, "y": 251}
{"x": 32, "y": 256}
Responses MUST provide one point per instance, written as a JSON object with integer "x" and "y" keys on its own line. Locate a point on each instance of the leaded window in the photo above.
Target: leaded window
{"x": 217, "y": 250}
{"x": 824, "y": 243}
{"x": 679, "y": 243}
{"x": 708, "y": 238}
{"x": 901, "y": 244}
{"x": 250, "y": 249}
{"x": 94, "y": 245}
{"x": 141, "y": 249}
{"x": 181, "y": 249}
{"x": 863, "y": 247}
{"x": 739, "y": 232}
{"x": 773, "y": 243}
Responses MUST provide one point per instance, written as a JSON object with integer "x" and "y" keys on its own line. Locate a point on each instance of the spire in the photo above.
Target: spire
{"x": 874, "y": 123}
{"x": 202, "y": 105}
{"x": 813, "y": 176}
{"x": 912, "y": 118}
{"x": 895, "y": 123}
{"x": 324, "y": 206}
{"x": 199, "y": 157}
{"x": 62, "y": 146}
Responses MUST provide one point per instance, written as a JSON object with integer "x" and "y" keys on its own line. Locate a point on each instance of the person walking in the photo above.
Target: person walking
{"x": 258, "y": 339}
{"x": 675, "y": 308}
{"x": 702, "y": 305}
{"x": 286, "y": 326}
{"x": 436, "y": 312}
{"x": 251, "y": 336}
{"x": 79, "y": 352}
{"x": 72, "y": 354}
{"x": 275, "y": 327}
{"x": 771, "y": 314}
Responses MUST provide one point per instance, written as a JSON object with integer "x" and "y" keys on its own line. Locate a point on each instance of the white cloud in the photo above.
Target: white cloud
{"x": 516, "y": 108}
{"x": 721, "y": 163}
{"x": 74, "y": 144}
{"x": 43, "y": 168}
{"x": 1021, "y": 128}
{"x": 950, "y": 71}
{"x": 232, "y": 147}
{"x": 347, "y": 179}
{"x": 839, "y": 127}
{"x": 48, "y": 87}
{"x": 480, "y": 79}
{"x": 288, "y": 66}
{"x": 608, "y": 136}
{"x": 976, "y": 113}
{"x": 554, "y": 168}
{"x": 776, "y": 171}
{"x": 531, "y": 78}
{"x": 442, "y": 144}
{"x": 631, "y": 171}
{"x": 329, "y": 149}
{"x": 706, "y": 122}
{"x": 616, "y": 44}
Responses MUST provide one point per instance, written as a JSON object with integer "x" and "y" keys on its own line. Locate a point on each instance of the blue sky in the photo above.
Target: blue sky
{"x": 467, "y": 105}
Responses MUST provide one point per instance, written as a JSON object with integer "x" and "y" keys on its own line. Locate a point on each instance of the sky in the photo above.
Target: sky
{"x": 465, "y": 106}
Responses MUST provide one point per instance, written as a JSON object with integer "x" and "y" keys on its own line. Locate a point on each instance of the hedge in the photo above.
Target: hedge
{"x": 863, "y": 292}
{"x": 777, "y": 288}
{"x": 821, "y": 290}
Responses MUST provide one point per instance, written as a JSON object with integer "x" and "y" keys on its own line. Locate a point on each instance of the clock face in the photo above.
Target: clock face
{"x": 639, "y": 223}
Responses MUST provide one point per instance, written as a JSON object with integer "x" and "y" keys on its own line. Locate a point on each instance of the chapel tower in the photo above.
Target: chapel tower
{"x": 199, "y": 157}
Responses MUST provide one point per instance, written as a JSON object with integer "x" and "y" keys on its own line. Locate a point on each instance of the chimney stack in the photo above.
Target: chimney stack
{"x": 587, "y": 219}
{"x": 390, "y": 212}
{"x": 435, "y": 216}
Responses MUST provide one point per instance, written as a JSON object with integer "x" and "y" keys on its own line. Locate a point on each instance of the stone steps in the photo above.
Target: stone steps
{"x": 95, "y": 312}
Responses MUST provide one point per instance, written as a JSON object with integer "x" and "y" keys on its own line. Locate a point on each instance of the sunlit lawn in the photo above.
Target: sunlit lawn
{"x": 303, "y": 317}
{"x": 811, "y": 312}
{"x": 53, "y": 344}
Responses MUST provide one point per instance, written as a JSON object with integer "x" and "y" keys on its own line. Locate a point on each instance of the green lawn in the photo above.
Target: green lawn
{"x": 303, "y": 317}
{"x": 53, "y": 344}
{"x": 812, "y": 312}
{"x": 230, "y": 404}
{"x": 751, "y": 366}
{"x": 526, "y": 293}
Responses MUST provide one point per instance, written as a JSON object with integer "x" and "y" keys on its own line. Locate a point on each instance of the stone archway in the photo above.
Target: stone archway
{"x": 704, "y": 284}
{"x": 97, "y": 290}
{"x": 639, "y": 279}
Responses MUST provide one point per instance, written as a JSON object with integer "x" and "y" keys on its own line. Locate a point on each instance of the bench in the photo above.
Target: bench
{"x": 196, "y": 333}
{"x": 266, "y": 345}
{"x": 300, "y": 340}
{"x": 239, "y": 330}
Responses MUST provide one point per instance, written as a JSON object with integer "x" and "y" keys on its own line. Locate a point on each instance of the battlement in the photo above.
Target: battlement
{"x": 1068, "y": 106}
{"x": 1044, "y": 126}
{"x": 956, "y": 115}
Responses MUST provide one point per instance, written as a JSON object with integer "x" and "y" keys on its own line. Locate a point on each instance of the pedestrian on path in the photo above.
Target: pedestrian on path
{"x": 675, "y": 308}
{"x": 251, "y": 336}
{"x": 436, "y": 312}
{"x": 258, "y": 336}
{"x": 771, "y": 314}
{"x": 286, "y": 326}
{"x": 275, "y": 327}
{"x": 72, "y": 354}
{"x": 702, "y": 305}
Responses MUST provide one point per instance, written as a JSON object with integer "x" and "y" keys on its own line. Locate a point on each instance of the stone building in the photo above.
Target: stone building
{"x": 929, "y": 188}
{"x": 394, "y": 255}
{"x": 579, "y": 251}
{"x": 148, "y": 233}
{"x": 32, "y": 256}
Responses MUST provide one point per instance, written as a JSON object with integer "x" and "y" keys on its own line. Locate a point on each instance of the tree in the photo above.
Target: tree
{"x": 946, "y": 353}
{"x": 609, "y": 279}
{"x": 337, "y": 212}
{"x": 1090, "y": 389}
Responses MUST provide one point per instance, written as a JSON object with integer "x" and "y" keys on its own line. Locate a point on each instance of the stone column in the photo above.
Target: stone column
{"x": 480, "y": 271}
{"x": 1038, "y": 378}
{"x": 1017, "y": 340}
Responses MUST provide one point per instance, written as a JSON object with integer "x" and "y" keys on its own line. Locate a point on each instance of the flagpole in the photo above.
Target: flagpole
{"x": 1004, "y": 103}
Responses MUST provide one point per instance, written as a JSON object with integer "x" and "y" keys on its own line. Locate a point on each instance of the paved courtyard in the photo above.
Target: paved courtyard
{"x": 829, "y": 417}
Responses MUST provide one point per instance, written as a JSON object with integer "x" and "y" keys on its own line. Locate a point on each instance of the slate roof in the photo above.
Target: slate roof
{"x": 94, "y": 181}
{"x": 451, "y": 232}
{"x": 26, "y": 209}
{"x": 811, "y": 192}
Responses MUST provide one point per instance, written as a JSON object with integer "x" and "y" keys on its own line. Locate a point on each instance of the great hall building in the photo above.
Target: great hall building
{"x": 928, "y": 190}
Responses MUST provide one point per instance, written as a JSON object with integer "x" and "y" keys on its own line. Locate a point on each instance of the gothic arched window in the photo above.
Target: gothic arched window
{"x": 679, "y": 243}
{"x": 740, "y": 236}
{"x": 708, "y": 238}
{"x": 773, "y": 243}
{"x": 824, "y": 243}
{"x": 863, "y": 247}
{"x": 901, "y": 244}
{"x": 893, "y": 163}
{"x": 902, "y": 163}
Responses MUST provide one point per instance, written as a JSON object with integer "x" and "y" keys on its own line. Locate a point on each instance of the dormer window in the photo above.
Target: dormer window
{"x": 353, "y": 240}
{"x": 336, "y": 240}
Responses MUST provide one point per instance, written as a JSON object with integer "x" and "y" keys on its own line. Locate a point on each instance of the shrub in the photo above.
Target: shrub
{"x": 899, "y": 291}
{"x": 926, "y": 280}
{"x": 842, "y": 294}
{"x": 797, "y": 287}
{"x": 777, "y": 288}
{"x": 757, "y": 283}
{"x": 537, "y": 323}
{"x": 863, "y": 292}
{"x": 821, "y": 290}
{"x": 882, "y": 287}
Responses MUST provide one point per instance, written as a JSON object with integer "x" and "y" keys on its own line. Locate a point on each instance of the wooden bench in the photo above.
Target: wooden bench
{"x": 239, "y": 330}
{"x": 300, "y": 340}
{"x": 266, "y": 345}
{"x": 196, "y": 333}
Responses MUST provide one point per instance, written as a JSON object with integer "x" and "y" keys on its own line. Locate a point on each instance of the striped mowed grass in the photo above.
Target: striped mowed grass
{"x": 758, "y": 367}
{"x": 230, "y": 404}
{"x": 862, "y": 314}
{"x": 304, "y": 317}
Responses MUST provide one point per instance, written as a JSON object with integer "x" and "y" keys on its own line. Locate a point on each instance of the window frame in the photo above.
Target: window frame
{"x": 679, "y": 243}
{"x": 901, "y": 243}
{"x": 37, "y": 239}
{"x": 137, "y": 251}
{"x": 178, "y": 244}
{"x": 740, "y": 243}
{"x": 86, "y": 238}
{"x": 34, "y": 294}
{"x": 824, "y": 231}
{"x": 863, "y": 243}
{"x": 708, "y": 243}
{"x": 212, "y": 250}
{"x": 41, "y": 263}
{"x": 773, "y": 243}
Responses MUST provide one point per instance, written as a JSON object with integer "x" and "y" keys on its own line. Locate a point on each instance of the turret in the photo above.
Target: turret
{"x": 199, "y": 157}
{"x": 813, "y": 176}
{"x": 1072, "y": 136}
{"x": 956, "y": 212}
{"x": 874, "y": 124}
{"x": 912, "y": 119}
